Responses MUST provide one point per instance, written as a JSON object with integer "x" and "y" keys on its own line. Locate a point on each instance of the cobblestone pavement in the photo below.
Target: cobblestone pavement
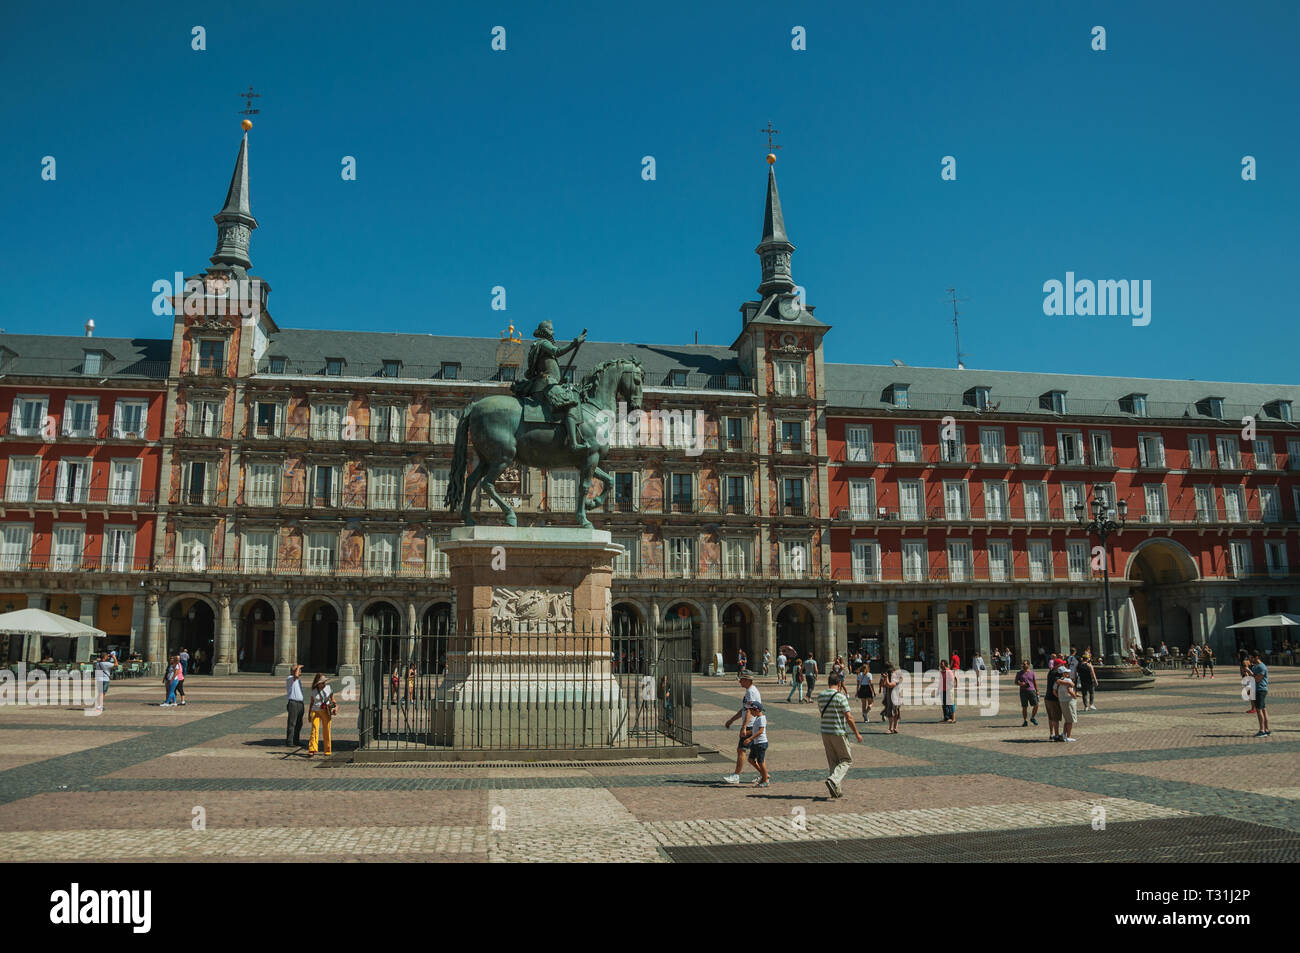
{"x": 213, "y": 781}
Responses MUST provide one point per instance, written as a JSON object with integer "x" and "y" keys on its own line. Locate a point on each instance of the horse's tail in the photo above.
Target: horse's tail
{"x": 459, "y": 456}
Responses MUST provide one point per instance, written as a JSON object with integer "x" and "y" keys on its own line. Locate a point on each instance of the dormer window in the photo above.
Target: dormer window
{"x": 450, "y": 371}
{"x": 1053, "y": 400}
{"x": 279, "y": 365}
{"x": 92, "y": 362}
{"x": 896, "y": 394}
{"x": 334, "y": 367}
{"x": 977, "y": 397}
{"x": 677, "y": 378}
{"x": 506, "y": 372}
{"x": 1279, "y": 410}
{"x": 391, "y": 369}
{"x": 1135, "y": 404}
{"x": 732, "y": 382}
{"x": 1212, "y": 407}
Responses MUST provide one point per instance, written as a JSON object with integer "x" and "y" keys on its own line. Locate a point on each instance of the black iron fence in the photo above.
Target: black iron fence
{"x": 527, "y": 687}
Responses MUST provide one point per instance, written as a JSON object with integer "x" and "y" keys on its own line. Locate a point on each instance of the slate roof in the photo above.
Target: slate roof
{"x": 942, "y": 389}
{"x": 51, "y": 355}
{"x": 422, "y": 355}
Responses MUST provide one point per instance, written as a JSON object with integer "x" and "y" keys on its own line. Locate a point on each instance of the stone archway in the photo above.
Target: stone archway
{"x": 1156, "y": 569}
{"x": 255, "y": 651}
{"x": 318, "y": 636}
{"x": 192, "y": 625}
{"x": 795, "y": 627}
{"x": 737, "y": 634}
{"x": 683, "y": 613}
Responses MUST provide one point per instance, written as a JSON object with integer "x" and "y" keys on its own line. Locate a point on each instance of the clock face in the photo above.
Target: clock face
{"x": 789, "y": 307}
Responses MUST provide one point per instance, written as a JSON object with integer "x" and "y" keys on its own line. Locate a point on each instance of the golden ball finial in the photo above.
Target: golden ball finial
{"x": 771, "y": 158}
{"x": 247, "y": 124}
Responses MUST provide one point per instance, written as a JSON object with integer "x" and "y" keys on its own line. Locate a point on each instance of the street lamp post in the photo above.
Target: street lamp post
{"x": 1103, "y": 527}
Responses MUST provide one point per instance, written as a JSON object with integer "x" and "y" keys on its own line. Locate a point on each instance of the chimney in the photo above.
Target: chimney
{"x": 90, "y": 328}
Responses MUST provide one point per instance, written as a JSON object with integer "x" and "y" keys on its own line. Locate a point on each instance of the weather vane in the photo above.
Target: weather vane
{"x": 771, "y": 148}
{"x": 248, "y": 109}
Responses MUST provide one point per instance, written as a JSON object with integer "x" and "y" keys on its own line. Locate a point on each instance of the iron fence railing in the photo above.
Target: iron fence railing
{"x": 527, "y": 687}
{"x": 19, "y": 366}
{"x": 500, "y": 374}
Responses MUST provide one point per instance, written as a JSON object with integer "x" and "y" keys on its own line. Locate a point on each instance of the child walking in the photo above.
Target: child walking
{"x": 757, "y": 734}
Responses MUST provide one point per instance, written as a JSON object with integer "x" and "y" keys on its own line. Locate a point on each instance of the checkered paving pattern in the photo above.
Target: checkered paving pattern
{"x": 1177, "y": 768}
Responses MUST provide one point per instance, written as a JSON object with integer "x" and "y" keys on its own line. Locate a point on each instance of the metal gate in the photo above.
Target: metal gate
{"x": 527, "y": 688}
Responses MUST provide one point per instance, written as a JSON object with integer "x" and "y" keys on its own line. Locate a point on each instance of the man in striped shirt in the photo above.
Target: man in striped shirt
{"x": 834, "y": 705}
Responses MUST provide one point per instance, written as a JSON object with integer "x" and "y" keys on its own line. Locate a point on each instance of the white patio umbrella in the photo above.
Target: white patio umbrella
{"x": 1275, "y": 621}
{"x": 41, "y": 624}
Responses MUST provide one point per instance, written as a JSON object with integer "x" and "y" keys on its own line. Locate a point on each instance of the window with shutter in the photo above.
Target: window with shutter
{"x": 119, "y": 546}
{"x": 910, "y": 497}
{"x": 69, "y": 546}
{"x": 381, "y": 550}
{"x": 15, "y": 546}
{"x": 1077, "y": 559}
{"x": 20, "y": 485}
{"x": 908, "y": 444}
{"x": 263, "y": 484}
{"x": 321, "y": 552}
{"x": 564, "y": 490}
{"x": 1040, "y": 561}
{"x": 999, "y": 561}
{"x": 954, "y": 500}
{"x": 992, "y": 445}
{"x": 915, "y": 562}
{"x": 995, "y": 500}
{"x": 865, "y": 564}
{"x": 1155, "y": 503}
{"x": 1263, "y": 451}
{"x": 959, "y": 562}
{"x": 1035, "y": 501}
{"x": 862, "y": 499}
{"x": 1205, "y": 509}
{"x": 625, "y": 563}
{"x": 124, "y": 482}
{"x": 860, "y": 447}
{"x": 1234, "y": 504}
{"x": 1228, "y": 457}
{"x": 1270, "y": 504}
{"x": 385, "y": 485}
{"x": 259, "y": 551}
{"x": 438, "y": 566}
{"x": 1031, "y": 446}
{"x": 129, "y": 419}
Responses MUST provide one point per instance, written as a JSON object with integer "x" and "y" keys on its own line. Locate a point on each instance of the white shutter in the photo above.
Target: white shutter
{"x": 864, "y": 562}
{"x": 61, "y": 482}
{"x": 862, "y": 501}
{"x": 859, "y": 444}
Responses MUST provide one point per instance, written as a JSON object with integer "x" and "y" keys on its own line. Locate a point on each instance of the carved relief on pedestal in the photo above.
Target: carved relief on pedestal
{"x": 532, "y": 609}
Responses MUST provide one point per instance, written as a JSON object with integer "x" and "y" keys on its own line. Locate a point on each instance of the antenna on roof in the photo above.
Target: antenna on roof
{"x": 956, "y": 330}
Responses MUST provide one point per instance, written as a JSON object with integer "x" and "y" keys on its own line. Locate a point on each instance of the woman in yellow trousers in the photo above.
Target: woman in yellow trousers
{"x": 321, "y": 712}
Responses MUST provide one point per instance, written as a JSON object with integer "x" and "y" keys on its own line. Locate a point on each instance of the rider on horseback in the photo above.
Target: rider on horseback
{"x": 544, "y": 382}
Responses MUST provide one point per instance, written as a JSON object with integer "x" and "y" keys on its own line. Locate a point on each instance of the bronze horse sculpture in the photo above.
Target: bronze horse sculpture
{"x": 497, "y": 428}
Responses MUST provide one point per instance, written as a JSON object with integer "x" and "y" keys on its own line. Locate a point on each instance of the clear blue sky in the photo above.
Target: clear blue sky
{"x": 523, "y": 169}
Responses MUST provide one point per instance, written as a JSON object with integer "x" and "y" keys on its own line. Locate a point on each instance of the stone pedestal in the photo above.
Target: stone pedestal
{"x": 530, "y": 663}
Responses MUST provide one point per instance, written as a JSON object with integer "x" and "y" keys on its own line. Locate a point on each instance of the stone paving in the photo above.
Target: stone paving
{"x": 213, "y": 781}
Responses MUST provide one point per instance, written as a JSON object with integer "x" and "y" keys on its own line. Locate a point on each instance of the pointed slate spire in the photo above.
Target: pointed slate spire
{"x": 774, "y": 250}
{"x": 235, "y": 222}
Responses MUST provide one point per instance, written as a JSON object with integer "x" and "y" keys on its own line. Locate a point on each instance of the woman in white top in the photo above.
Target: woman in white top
{"x": 978, "y": 665}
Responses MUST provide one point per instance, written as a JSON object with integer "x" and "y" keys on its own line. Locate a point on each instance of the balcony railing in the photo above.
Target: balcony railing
{"x": 64, "y": 564}
{"x": 19, "y": 366}
{"x": 48, "y": 495}
{"x": 449, "y": 372}
{"x": 980, "y": 512}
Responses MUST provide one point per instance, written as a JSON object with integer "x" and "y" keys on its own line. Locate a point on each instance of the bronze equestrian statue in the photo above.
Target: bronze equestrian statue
{"x": 544, "y": 423}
